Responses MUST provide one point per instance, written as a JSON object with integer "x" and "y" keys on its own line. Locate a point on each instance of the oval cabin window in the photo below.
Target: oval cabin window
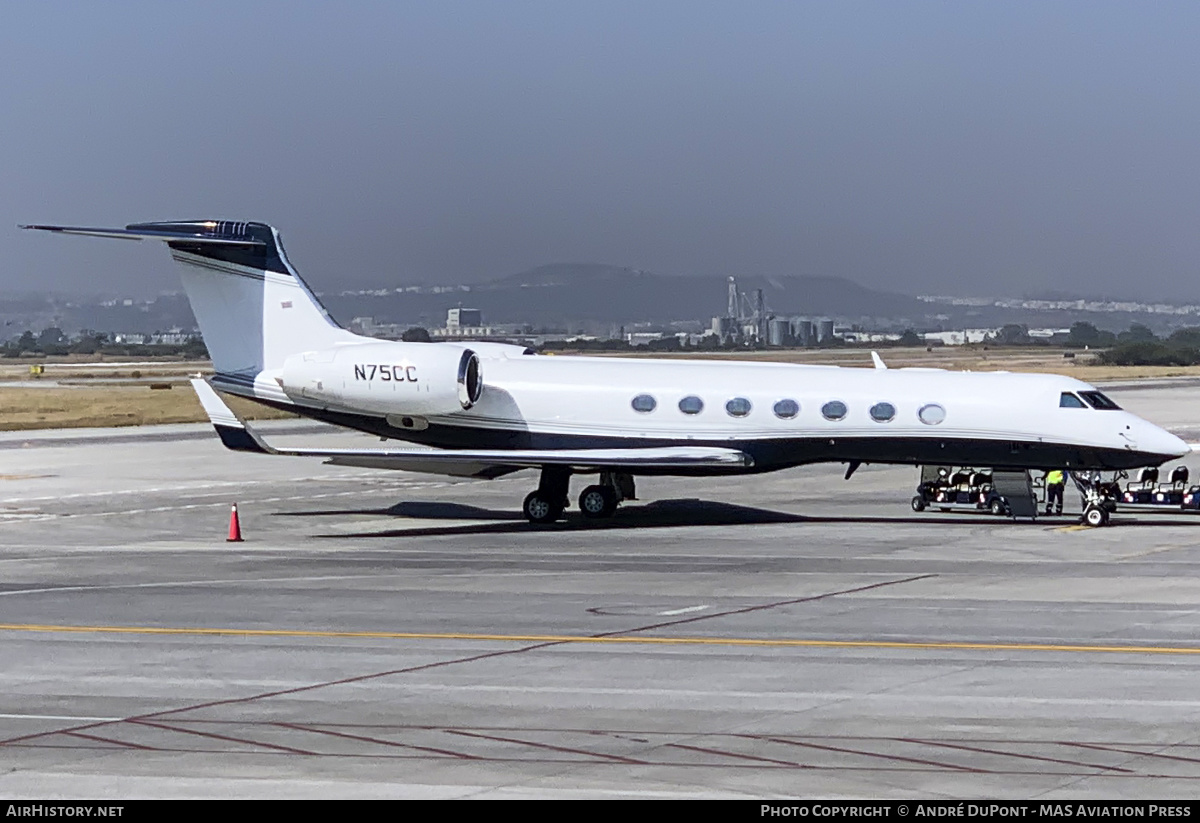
{"x": 691, "y": 404}
{"x": 834, "y": 410}
{"x": 883, "y": 412}
{"x": 787, "y": 409}
{"x": 931, "y": 414}
{"x": 738, "y": 407}
{"x": 644, "y": 403}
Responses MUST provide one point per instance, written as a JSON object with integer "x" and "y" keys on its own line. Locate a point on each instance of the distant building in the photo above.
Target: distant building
{"x": 174, "y": 337}
{"x": 870, "y": 337}
{"x": 960, "y": 337}
{"x": 642, "y": 338}
{"x": 460, "y": 318}
{"x": 134, "y": 338}
{"x": 1050, "y": 335}
{"x": 367, "y": 327}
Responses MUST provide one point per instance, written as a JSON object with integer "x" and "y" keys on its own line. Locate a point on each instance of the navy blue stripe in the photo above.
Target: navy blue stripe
{"x": 768, "y": 455}
{"x": 238, "y": 439}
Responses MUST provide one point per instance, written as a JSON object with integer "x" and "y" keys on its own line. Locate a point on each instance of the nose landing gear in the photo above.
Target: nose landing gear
{"x": 1095, "y": 516}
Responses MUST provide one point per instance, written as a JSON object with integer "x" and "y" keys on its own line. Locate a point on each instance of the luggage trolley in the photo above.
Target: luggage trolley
{"x": 950, "y": 488}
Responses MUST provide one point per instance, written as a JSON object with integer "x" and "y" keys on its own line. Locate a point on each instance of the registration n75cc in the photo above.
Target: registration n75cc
{"x": 384, "y": 372}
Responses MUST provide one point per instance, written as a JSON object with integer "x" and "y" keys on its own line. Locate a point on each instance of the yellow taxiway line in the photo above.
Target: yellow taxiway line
{"x": 623, "y": 639}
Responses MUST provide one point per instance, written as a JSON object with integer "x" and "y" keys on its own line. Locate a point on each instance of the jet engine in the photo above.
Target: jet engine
{"x": 386, "y": 378}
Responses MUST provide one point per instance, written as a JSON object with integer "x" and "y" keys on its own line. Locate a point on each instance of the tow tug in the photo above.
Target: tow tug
{"x": 1102, "y": 496}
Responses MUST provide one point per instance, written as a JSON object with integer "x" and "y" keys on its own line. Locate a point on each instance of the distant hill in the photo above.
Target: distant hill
{"x": 566, "y": 293}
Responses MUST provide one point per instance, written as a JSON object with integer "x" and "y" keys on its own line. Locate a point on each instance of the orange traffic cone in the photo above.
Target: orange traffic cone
{"x": 235, "y": 527}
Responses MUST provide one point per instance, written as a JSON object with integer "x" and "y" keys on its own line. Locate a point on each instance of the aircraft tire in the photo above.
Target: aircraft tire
{"x": 1095, "y": 516}
{"x": 538, "y": 509}
{"x": 598, "y": 501}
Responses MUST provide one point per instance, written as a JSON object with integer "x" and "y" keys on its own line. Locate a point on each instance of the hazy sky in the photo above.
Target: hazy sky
{"x": 960, "y": 147}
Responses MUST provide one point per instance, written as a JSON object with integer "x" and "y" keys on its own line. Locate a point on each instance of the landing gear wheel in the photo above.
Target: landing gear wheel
{"x": 1095, "y": 516}
{"x": 540, "y": 508}
{"x": 998, "y": 508}
{"x": 918, "y": 503}
{"x": 598, "y": 501}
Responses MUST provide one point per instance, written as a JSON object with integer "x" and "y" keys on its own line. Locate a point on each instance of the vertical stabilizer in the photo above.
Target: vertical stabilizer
{"x": 254, "y": 310}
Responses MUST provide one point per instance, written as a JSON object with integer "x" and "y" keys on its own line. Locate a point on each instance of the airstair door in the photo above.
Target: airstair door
{"x": 1017, "y": 489}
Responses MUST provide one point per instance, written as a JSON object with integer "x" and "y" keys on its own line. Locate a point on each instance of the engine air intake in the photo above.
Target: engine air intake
{"x": 470, "y": 384}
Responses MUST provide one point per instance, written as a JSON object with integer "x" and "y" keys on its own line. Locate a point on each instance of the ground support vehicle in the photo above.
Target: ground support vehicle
{"x": 948, "y": 489}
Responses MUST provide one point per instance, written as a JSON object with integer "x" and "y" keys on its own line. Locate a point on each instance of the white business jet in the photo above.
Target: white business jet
{"x": 482, "y": 409}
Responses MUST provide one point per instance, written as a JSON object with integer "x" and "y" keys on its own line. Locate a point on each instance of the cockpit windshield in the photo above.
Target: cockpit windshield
{"x": 1097, "y": 400}
{"x": 1070, "y": 401}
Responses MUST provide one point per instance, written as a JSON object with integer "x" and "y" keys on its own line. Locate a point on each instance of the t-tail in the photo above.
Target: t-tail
{"x": 253, "y": 308}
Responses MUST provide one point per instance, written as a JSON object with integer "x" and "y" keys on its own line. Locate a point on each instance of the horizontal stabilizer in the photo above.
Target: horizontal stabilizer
{"x": 211, "y": 232}
{"x": 236, "y": 434}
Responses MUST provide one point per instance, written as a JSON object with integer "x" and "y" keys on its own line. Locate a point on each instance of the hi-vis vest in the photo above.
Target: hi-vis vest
{"x": 1054, "y": 478}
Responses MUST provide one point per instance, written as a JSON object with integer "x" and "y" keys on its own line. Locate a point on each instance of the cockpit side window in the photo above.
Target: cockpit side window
{"x": 1070, "y": 401}
{"x": 1097, "y": 400}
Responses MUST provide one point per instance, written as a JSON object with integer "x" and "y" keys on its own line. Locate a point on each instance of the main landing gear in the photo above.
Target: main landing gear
{"x": 546, "y": 503}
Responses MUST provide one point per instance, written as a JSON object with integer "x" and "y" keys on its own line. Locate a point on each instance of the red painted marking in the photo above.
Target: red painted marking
{"x": 736, "y": 754}
{"x": 616, "y": 757}
{"x": 1022, "y": 756}
{"x": 1135, "y": 751}
{"x": 936, "y": 763}
{"x": 110, "y": 740}
{"x": 287, "y": 749}
{"x": 377, "y": 740}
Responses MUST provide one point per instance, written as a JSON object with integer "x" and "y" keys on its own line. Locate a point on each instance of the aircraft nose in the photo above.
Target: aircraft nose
{"x": 1152, "y": 439}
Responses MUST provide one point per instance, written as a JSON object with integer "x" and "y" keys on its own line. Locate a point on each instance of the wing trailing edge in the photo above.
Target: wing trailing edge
{"x": 237, "y": 435}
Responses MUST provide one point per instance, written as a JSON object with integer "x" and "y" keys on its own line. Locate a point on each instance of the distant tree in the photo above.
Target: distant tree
{"x": 417, "y": 334}
{"x": 911, "y": 338}
{"x": 51, "y": 336}
{"x": 1137, "y": 333}
{"x": 1189, "y": 337}
{"x": 195, "y": 349}
{"x": 27, "y": 342}
{"x": 1149, "y": 353}
{"x": 664, "y": 344}
{"x": 1084, "y": 335}
{"x": 88, "y": 344}
{"x": 1013, "y": 334}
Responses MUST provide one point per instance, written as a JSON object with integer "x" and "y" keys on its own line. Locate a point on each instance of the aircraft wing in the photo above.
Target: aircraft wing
{"x": 236, "y": 434}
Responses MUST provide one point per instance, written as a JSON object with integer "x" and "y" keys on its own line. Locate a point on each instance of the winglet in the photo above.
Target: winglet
{"x": 232, "y": 430}
{"x": 877, "y": 360}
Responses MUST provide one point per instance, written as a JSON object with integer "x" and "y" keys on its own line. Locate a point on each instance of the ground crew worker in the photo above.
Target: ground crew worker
{"x": 1056, "y": 481}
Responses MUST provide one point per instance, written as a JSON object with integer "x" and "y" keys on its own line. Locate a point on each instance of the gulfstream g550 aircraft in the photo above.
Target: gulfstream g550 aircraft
{"x": 488, "y": 409}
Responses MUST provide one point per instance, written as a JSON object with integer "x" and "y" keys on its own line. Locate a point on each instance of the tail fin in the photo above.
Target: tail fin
{"x": 252, "y": 306}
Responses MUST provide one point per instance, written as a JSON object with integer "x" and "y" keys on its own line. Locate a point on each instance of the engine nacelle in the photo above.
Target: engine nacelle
{"x": 386, "y": 378}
